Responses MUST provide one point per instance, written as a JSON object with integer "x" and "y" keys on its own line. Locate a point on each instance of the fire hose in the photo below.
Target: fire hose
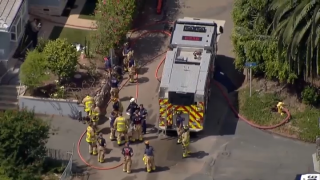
{"x": 225, "y": 95}
{"x": 122, "y": 86}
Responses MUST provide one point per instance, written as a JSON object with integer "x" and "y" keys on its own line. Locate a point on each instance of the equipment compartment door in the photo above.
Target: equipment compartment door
{"x": 184, "y": 113}
{"x": 165, "y": 113}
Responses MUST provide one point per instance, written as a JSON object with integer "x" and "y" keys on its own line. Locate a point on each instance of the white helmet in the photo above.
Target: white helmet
{"x": 132, "y": 100}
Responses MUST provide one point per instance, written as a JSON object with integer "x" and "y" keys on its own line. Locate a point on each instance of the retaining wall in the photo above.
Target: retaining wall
{"x": 49, "y": 106}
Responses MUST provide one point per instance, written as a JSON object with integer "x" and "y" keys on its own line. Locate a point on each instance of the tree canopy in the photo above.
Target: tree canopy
{"x": 23, "y": 137}
{"x": 61, "y": 57}
{"x": 113, "y": 21}
{"x": 281, "y": 36}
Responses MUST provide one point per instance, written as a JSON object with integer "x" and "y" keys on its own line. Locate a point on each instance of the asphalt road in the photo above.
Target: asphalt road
{"x": 227, "y": 149}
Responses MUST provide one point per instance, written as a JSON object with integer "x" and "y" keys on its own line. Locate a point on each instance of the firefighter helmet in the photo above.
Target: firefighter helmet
{"x": 146, "y": 142}
{"x": 132, "y": 100}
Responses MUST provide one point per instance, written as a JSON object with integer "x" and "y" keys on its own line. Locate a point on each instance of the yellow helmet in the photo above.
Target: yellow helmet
{"x": 114, "y": 99}
{"x": 146, "y": 142}
{"x": 186, "y": 127}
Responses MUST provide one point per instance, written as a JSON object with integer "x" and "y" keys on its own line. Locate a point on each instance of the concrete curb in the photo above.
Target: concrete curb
{"x": 285, "y": 136}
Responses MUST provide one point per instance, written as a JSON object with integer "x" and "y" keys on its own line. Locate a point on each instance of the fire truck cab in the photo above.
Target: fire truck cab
{"x": 187, "y": 72}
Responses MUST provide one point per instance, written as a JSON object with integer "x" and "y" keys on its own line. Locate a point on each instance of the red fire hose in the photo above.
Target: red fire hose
{"x": 225, "y": 95}
{"x": 158, "y": 78}
{"x": 137, "y": 92}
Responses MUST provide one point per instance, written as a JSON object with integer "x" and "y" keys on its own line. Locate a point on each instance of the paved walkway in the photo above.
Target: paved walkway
{"x": 73, "y": 21}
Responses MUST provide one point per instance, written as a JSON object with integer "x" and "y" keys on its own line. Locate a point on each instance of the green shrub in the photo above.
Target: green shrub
{"x": 62, "y": 58}
{"x": 310, "y": 95}
{"x": 33, "y": 71}
{"x": 41, "y": 44}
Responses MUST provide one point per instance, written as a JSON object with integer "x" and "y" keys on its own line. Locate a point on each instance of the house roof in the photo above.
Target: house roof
{"x": 8, "y": 11}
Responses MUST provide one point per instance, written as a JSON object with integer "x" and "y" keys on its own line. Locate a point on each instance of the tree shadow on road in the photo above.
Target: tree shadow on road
{"x": 219, "y": 121}
{"x": 125, "y": 98}
{"x": 140, "y": 80}
{"x": 142, "y": 70}
{"x": 149, "y": 46}
{"x": 105, "y": 130}
{"x": 102, "y": 120}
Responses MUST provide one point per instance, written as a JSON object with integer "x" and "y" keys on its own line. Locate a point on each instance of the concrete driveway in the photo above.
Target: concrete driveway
{"x": 227, "y": 149}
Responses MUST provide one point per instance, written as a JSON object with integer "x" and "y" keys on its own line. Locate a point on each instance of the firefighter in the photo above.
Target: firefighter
{"x": 126, "y": 52}
{"x": 108, "y": 65}
{"x": 113, "y": 130}
{"x": 121, "y": 126}
{"x": 88, "y": 102}
{"x": 101, "y": 148}
{"x": 143, "y": 115}
{"x": 132, "y": 107}
{"x": 137, "y": 124}
{"x": 91, "y": 139}
{"x": 179, "y": 126}
{"x": 117, "y": 70}
{"x": 114, "y": 83}
{"x": 130, "y": 130}
{"x": 94, "y": 116}
{"x": 185, "y": 141}
{"x": 148, "y": 157}
{"x": 127, "y": 153}
{"x": 117, "y": 106}
{"x": 280, "y": 108}
{"x": 132, "y": 70}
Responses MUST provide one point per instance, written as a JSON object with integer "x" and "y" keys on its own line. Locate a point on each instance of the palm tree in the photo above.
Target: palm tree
{"x": 296, "y": 27}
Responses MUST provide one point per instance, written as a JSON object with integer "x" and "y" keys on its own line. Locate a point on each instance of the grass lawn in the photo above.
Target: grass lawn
{"x": 257, "y": 108}
{"x": 71, "y": 34}
{"x": 88, "y": 10}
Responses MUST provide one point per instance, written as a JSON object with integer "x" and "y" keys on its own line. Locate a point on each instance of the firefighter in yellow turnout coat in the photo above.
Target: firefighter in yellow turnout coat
{"x": 94, "y": 117}
{"x": 91, "y": 139}
{"x": 88, "y": 102}
{"x": 121, "y": 125}
{"x": 185, "y": 141}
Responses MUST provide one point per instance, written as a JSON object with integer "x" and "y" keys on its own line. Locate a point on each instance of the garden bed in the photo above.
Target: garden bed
{"x": 75, "y": 88}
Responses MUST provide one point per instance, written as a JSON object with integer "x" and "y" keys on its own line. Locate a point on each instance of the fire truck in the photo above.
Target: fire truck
{"x": 187, "y": 72}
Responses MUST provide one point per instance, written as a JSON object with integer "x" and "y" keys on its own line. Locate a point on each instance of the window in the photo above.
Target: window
{"x": 13, "y": 29}
{"x": 13, "y": 37}
{"x": 182, "y": 99}
{"x": 13, "y": 33}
